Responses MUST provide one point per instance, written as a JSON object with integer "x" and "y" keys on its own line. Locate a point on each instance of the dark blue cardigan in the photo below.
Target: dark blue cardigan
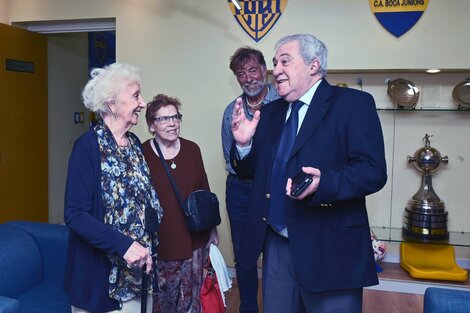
{"x": 88, "y": 269}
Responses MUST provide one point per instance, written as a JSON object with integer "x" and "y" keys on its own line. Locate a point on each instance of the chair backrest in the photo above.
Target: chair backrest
{"x": 20, "y": 261}
{"x": 52, "y": 241}
{"x": 445, "y": 300}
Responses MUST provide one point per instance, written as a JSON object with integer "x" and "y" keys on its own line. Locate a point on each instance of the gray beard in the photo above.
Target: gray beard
{"x": 255, "y": 93}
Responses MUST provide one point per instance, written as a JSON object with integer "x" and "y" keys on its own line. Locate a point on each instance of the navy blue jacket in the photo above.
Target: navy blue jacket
{"x": 88, "y": 269}
{"x": 329, "y": 236}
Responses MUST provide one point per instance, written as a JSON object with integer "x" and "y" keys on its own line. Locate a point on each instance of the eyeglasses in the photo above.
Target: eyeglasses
{"x": 165, "y": 120}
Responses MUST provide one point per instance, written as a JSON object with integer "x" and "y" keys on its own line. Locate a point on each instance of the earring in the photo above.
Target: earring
{"x": 111, "y": 111}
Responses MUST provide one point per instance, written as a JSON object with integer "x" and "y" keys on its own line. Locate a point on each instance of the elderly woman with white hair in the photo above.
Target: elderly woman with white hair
{"x": 109, "y": 193}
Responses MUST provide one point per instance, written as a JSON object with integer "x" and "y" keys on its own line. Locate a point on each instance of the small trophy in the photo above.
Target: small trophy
{"x": 425, "y": 216}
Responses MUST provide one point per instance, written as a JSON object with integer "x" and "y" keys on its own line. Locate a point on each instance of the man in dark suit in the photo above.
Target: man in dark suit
{"x": 317, "y": 252}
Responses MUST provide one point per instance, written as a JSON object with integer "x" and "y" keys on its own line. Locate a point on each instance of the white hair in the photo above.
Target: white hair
{"x": 106, "y": 83}
{"x": 310, "y": 48}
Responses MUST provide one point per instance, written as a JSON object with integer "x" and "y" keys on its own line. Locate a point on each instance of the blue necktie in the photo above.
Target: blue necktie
{"x": 277, "y": 211}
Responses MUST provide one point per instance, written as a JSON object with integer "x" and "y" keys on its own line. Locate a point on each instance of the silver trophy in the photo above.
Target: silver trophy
{"x": 425, "y": 216}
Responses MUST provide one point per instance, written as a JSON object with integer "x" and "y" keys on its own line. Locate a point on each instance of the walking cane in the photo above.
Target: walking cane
{"x": 143, "y": 300}
{"x": 150, "y": 225}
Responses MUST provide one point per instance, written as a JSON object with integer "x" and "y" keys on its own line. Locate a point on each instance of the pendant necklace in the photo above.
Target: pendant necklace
{"x": 173, "y": 164}
{"x": 253, "y": 106}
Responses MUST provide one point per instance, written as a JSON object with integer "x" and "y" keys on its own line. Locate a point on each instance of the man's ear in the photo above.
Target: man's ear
{"x": 314, "y": 67}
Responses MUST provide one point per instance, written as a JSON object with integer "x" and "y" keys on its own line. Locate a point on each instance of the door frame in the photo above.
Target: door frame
{"x": 69, "y": 26}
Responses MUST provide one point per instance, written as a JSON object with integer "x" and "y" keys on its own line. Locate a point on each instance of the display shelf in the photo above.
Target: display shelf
{"x": 400, "y": 70}
{"x": 394, "y": 278}
{"x": 395, "y": 235}
{"x": 436, "y": 113}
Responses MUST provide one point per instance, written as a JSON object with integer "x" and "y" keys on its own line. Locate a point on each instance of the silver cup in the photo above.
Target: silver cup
{"x": 425, "y": 217}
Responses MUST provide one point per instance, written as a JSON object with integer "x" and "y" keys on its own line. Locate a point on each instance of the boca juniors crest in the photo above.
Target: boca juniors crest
{"x": 101, "y": 49}
{"x": 257, "y": 17}
{"x": 398, "y": 16}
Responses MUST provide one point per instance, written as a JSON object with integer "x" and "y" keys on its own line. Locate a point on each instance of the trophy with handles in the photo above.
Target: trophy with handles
{"x": 425, "y": 217}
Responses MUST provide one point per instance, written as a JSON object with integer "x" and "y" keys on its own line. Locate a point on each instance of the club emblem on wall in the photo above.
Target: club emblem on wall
{"x": 100, "y": 44}
{"x": 257, "y": 17}
{"x": 101, "y": 48}
{"x": 398, "y": 16}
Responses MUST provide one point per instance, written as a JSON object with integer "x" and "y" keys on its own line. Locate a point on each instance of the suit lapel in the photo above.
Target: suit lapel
{"x": 315, "y": 113}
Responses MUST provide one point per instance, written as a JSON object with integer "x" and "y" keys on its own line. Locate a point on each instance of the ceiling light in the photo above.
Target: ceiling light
{"x": 433, "y": 71}
{"x": 236, "y": 4}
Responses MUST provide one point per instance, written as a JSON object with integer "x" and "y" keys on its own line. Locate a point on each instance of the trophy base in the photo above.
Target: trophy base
{"x": 415, "y": 235}
{"x": 425, "y": 226}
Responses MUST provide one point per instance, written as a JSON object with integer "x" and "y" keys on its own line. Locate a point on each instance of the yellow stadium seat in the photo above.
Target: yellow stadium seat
{"x": 431, "y": 261}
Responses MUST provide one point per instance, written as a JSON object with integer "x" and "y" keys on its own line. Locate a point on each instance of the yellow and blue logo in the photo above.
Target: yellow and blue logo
{"x": 398, "y": 16}
{"x": 257, "y": 17}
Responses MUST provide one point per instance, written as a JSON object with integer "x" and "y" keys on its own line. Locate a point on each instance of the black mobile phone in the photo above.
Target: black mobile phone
{"x": 299, "y": 183}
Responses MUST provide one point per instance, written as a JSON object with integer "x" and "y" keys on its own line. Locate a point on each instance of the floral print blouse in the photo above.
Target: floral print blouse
{"x": 127, "y": 191}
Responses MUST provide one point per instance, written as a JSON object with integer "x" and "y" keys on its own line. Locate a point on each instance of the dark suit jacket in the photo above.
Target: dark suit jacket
{"x": 329, "y": 234}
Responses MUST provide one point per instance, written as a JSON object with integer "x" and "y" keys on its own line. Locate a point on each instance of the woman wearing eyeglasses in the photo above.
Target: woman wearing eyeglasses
{"x": 181, "y": 254}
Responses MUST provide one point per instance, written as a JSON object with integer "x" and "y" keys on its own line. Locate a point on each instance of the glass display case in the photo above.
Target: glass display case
{"x": 435, "y": 112}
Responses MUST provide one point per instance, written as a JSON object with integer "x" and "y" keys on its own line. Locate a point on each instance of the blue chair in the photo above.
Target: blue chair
{"x": 32, "y": 268}
{"x": 444, "y": 300}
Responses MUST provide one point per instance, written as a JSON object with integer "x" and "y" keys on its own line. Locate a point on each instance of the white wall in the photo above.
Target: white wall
{"x": 4, "y": 11}
{"x": 183, "y": 49}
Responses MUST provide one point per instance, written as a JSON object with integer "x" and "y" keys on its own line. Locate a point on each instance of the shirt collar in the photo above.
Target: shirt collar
{"x": 308, "y": 96}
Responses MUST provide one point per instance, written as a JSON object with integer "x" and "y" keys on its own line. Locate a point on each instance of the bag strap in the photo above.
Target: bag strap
{"x": 172, "y": 181}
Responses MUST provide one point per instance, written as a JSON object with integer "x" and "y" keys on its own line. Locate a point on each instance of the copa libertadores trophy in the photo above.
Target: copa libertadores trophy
{"x": 425, "y": 216}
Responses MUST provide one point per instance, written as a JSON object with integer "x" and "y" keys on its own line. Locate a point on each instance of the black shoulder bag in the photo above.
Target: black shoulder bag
{"x": 201, "y": 208}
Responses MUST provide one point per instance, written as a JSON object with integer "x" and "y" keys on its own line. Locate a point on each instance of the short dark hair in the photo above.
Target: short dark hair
{"x": 158, "y": 102}
{"x": 245, "y": 54}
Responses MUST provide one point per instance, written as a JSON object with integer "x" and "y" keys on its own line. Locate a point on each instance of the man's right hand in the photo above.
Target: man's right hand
{"x": 242, "y": 128}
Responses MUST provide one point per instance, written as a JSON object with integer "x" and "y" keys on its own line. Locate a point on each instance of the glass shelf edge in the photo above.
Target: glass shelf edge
{"x": 392, "y": 234}
{"x": 397, "y": 70}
